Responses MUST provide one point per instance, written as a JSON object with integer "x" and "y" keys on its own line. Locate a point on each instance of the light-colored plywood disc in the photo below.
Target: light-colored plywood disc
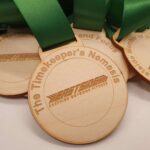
{"x": 78, "y": 95}
{"x": 99, "y": 41}
{"x": 136, "y": 47}
{"x": 18, "y": 59}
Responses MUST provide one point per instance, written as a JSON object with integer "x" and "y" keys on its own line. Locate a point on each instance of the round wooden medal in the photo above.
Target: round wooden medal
{"x": 99, "y": 41}
{"x": 78, "y": 95}
{"x": 18, "y": 59}
{"x": 136, "y": 49}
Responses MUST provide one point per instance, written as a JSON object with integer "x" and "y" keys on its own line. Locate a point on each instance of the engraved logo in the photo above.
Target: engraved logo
{"x": 77, "y": 90}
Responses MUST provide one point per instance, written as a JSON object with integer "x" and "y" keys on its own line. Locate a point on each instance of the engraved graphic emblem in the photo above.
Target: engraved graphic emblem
{"x": 77, "y": 90}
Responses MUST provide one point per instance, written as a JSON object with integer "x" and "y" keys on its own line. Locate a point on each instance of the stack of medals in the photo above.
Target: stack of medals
{"x": 78, "y": 76}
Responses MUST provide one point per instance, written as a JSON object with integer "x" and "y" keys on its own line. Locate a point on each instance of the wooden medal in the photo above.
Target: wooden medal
{"x": 99, "y": 41}
{"x": 136, "y": 49}
{"x": 18, "y": 59}
{"x": 77, "y": 95}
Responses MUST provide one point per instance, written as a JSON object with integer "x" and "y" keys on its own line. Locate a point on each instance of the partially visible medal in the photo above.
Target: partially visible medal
{"x": 131, "y": 21}
{"x": 88, "y": 25}
{"x": 98, "y": 40}
{"x": 18, "y": 59}
{"x": 136, "y": 49}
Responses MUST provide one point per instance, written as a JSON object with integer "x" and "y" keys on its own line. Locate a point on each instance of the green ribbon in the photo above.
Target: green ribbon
{"x": 10, "y": 15}
{"x": 90, "y": 14}
{"x": 129, "y": 15}
{"x": 67, "y": 6}
{"x": 47, "y": 21}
